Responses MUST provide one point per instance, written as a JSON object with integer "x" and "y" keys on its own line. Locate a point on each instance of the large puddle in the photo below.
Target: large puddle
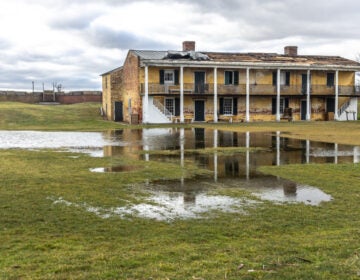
{"x": 181, "y": 199}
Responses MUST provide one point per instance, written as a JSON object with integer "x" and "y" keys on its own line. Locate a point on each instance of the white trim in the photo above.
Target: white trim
{"x": 181, "y": 94}
{"x": 244, "y": 65}
{"x": 308, "y": 105}
{"x": 215, "y": 96}
{"x": 146, "y": 98}
{"x": 278, "y": 83}
{"x": 336, "y": 116}
{"x": 247, "y": 115}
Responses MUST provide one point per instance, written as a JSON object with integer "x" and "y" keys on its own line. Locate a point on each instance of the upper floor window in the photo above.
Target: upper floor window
{"x": 231, "y": 77}
{"x": 169, "y": 76}
{"x": 284, "y": 78}
{"x": 330, "y": 79}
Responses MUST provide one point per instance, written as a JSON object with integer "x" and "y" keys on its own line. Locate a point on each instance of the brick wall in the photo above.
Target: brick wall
{"x": 61, "y": 97}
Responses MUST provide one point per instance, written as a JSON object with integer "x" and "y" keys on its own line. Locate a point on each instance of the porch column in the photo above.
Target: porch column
{"x": 336, "y": 116}
{"x": 336, "y": 151}
{"x": 146, "y": 98}
{"x": 307, "y": 151}
{"x": 278, "y": 96}
{"x": 247, "y": 116}
{"x": 215, "y": 96}
{"x": 215, "y": 155}
{"x": 247, "y": 155}
{"x": 308, "y": 106}
{"x": 278, "y": 148}
{"x": 181, "y": 94}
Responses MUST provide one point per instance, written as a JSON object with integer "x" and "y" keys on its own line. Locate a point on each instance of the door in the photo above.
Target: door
{"x": 199, "y": 82}
{"x": 330, "y": 105}
{"x": 118, "y": 111}
{"x": 199, "y": 110}
{"x": 303, "y": 110}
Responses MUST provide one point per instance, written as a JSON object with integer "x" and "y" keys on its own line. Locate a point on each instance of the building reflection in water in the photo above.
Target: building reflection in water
{"x": 240, "y": 167}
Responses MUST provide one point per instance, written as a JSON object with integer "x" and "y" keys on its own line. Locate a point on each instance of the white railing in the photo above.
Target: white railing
{"x": 343, "y": 107}
{"x": 162, "y": 109}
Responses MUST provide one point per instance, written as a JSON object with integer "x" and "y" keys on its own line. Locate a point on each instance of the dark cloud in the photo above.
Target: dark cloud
{"x": 76, "y": 22}
{"x": 108, "y": 38}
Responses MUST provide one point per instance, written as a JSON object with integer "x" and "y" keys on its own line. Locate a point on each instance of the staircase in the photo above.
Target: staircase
{"x": 157, "y": 112}
{"x": 348, "y": 111}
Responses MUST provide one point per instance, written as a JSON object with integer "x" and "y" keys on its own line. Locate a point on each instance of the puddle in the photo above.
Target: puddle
{"x": 165, "y": 206}
{"x": 189, "y": 199}
{"x": 115, "y": 169}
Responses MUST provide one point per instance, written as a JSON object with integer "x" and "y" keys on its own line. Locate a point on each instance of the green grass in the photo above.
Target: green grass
{"x": 43, "y": 240}
{"x": 40, "y": 239}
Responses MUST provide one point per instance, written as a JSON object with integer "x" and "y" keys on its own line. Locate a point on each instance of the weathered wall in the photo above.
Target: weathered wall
{"x": 131, "y": 87}
{"x": 111, "y": 86}
{"x": 61, "y": 97}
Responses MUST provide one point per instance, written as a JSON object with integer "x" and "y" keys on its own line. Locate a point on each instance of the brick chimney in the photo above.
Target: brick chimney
{"x": 291, "y": 50}
{"x": 188, "y": 46}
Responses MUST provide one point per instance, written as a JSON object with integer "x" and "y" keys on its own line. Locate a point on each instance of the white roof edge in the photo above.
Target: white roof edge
{"x": 244, "y": 65}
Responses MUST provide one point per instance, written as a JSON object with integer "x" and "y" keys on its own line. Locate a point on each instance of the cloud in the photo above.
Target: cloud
{"x": 73, "y": 41}
{"x": 107, "y": 38}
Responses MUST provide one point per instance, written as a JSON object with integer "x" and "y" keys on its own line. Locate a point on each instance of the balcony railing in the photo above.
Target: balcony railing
{"x": 255, "y": 89}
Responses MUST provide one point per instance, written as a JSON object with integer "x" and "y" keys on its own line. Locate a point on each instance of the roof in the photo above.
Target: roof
{"x": 245, "y": 59}
{"x": 111, "y": 71}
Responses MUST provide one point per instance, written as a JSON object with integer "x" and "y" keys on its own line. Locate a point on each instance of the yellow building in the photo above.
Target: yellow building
{"x": 187, "y": 86}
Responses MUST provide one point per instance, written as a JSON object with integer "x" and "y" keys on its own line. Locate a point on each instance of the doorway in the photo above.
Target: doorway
{"x": 118, "y": 117}
{"x": 199, "y": 110}
{"x": 303, "y": 110}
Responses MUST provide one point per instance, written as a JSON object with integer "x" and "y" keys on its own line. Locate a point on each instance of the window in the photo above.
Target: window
{"x": 284, "y": 103}
{"x": 231, "y": 77}
{"x": 169, "y": 76}
{"x": 170, "y": 105}
{"x": 330, "y": 79}
{"x": 284, "y": 78}
{"x": 228, "y": 106}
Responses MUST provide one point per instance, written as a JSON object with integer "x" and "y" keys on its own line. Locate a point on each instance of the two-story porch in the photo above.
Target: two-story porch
{"x": 249, "y": 93}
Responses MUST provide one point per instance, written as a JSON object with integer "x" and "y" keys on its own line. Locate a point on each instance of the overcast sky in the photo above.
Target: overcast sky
{"x": 72, "y": 42}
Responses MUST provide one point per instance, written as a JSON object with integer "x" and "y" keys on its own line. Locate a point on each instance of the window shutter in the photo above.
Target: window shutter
{"x": 273, "y": 107}
{"x": 227, "y": 77}
{"x": 287, "y": 79}
{"x": 177, "y": 107}
{"x": 274, "y": 78}
{"x": 286, "y": 103}
{"x": 330, "y": 81}
{"x": 236, "y": 77}
{"x": 176, "y": 73}
{"x": 162, "y": 76}
{"x": 221, "y": 106}
{"x": 235, "y": 106}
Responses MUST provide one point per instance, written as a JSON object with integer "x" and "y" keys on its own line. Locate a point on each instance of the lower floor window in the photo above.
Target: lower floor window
{"x": 284, "y": 103}
{"x": 228, "y": 106}
{"x": 170, "y": 105}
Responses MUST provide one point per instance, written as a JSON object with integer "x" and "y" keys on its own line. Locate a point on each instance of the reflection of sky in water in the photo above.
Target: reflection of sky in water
{"x": 304, "y": 194}
{"x": 164, "y": 206}
{"x": 179, "y": 199}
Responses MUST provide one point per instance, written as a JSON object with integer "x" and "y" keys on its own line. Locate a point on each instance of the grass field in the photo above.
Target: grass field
{"x": 43, "y": 239}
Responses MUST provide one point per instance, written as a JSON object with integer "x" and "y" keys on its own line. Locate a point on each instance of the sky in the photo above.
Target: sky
{"x": 72, "y": 42}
